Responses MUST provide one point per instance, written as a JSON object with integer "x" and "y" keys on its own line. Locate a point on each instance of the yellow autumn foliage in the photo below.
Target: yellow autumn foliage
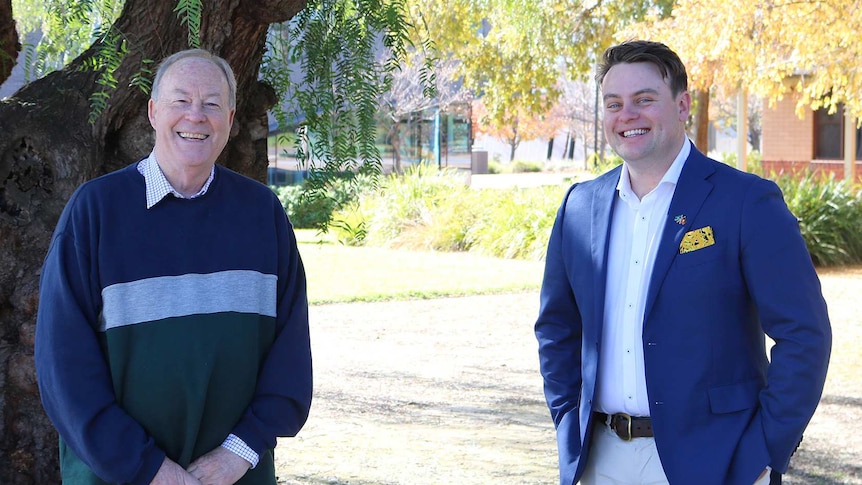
{"x": 769, "y": 48}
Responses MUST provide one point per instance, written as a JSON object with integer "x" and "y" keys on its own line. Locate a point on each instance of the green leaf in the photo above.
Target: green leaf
{"x": 190, "y": 13}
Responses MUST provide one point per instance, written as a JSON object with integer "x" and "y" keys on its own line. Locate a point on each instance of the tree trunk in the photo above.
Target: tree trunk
{"x": 514, "y": 140}
{"x": 395, "y": 141}
{"x": 701, "y": 120}
{"x": 754, "y": 128}
{"x": 9, "y": 45}
{"x": 48, "y": 148}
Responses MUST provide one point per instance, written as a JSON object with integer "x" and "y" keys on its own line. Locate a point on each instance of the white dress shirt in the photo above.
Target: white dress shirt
{"x": 636, "y": 229}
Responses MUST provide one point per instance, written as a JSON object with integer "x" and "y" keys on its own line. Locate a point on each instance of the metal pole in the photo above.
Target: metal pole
{"x": 849, "y": 147}
{"x": 437, "y": 139}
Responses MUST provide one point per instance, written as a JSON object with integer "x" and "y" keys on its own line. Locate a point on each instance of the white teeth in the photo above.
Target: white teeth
{"x": 634, "y": 132}
{"x": 193, "y": 136}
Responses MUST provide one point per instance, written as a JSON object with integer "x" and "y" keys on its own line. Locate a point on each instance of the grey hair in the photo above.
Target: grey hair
{"x": 197, "y": 54}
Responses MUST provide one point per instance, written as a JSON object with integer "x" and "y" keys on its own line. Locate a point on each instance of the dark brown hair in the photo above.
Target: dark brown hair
{"x": 655, "y": 53}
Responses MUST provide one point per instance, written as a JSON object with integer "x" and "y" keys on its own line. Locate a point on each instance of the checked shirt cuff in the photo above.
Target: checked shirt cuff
{"x": 235, "y": 444}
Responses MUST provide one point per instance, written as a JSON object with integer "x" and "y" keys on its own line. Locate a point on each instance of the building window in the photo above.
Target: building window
{"x": 432, "y": 136}
{"x": 829, "y": 135}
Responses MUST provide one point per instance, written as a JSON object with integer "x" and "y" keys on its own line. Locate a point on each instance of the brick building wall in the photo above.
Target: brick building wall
{"x": 786, "y": 137}
{"x": 788, "y": 144}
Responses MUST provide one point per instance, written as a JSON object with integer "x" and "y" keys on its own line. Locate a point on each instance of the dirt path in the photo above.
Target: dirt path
{"x": 447, "y": 391}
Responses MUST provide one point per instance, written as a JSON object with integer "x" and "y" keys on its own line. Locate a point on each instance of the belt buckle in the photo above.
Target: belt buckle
{"x": 628, "y": 419}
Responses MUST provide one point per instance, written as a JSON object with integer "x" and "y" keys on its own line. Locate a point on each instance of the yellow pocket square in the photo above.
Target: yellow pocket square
{"x": 696, "y": 239}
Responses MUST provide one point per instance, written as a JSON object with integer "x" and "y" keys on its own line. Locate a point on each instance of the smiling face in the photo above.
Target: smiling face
{"x": 644, "y": 122}
{"x": 191, "y": 116}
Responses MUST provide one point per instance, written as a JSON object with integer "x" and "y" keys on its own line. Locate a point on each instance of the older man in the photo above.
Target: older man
{"x": 172, "y": 342}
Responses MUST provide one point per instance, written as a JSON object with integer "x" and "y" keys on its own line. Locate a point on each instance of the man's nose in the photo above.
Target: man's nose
{"x": 629, "y": 111}
{"x": 195, "y": 111}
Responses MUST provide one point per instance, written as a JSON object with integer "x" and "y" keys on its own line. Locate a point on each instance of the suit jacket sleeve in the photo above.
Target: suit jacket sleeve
{"x": 786, "y": 292}
{"x": 558, "y": 329}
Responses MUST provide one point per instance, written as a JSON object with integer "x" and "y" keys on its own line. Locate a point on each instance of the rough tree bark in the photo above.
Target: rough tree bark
{"x": 9, "y": 45}
{"x": 48, "y": 148}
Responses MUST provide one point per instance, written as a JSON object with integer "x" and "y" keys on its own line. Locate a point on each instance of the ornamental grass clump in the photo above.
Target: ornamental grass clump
{"x": 830, "y": 217}
{"x": 432, "y": 209}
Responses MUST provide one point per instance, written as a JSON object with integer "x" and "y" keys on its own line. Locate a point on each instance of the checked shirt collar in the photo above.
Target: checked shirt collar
{"x": 158, "y": 186}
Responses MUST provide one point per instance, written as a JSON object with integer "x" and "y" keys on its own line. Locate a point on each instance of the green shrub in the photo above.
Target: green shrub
{"x": 753, "y": 162}
{"x": 525, "y": 166}
{"x": 599, "y": 165}
{"x": 830, "y": 217}
{"x": 434, "y": 209}
{"x": 495, "y": 167}
{"x": 304, "y": 212}
{"x": 349, "y": 227}
{"x": 309, "y": 209}
{"x": 414, "y": 206}
{"x": 515, "y": 223}
{"x": 829, "y": 211}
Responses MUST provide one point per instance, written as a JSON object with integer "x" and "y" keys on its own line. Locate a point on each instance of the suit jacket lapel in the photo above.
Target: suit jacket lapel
{"x": 691, "y": 191}
{"x": 602, "y": 210}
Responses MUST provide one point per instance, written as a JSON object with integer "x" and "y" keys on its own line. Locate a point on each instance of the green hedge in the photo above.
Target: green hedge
{"x": 830, "y": 217}
{"x": 829, "y": 212}
{"x": 309, "y": 209}
{"x": 433, "y": 209}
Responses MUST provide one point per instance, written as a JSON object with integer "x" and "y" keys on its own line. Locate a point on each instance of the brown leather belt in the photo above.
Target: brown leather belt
{"x": 627, "y": 427}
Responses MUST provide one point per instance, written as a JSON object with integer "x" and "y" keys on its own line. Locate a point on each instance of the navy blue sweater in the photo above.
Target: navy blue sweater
{"x": 160, "y": 331}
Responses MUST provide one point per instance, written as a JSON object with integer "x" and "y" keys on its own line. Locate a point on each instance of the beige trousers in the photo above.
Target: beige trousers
{"x": 616, "y": 462}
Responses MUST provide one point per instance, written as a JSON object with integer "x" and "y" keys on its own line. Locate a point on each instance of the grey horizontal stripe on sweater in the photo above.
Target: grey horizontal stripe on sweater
{"x": 150, "y": 299}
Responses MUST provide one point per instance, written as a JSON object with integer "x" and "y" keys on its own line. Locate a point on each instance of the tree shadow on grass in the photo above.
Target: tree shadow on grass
{"x": 328, "y": 481}
{"x": 842, "y": 400}
{"x": 829, "y": 461}
{"x": 486, "y": 401}
{"x": 817, "y": 467}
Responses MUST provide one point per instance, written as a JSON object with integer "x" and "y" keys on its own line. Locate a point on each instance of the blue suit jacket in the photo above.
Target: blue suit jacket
{"x": 721, "y": 412}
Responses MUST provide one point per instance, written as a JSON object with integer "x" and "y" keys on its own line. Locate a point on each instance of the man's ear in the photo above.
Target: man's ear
{"x": 151, "y": 112}
{"x": 234, "y": 130}
{"x": 684, "y": 103}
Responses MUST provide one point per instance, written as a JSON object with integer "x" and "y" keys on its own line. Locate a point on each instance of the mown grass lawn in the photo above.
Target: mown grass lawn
{"x": 338, "y": 273}
{"x": 466, "y": 372}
